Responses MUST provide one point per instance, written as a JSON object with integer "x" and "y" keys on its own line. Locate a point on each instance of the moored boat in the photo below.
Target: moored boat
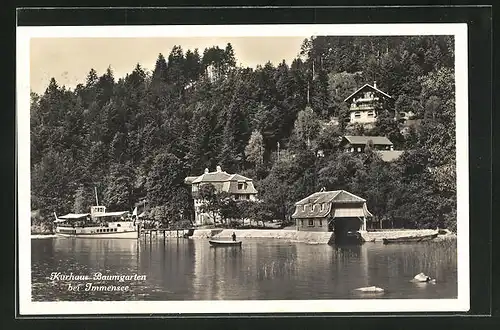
{"x": 97, "y": 224}
{"x": 224, "y": 243}
{"x": 410, "y": 239}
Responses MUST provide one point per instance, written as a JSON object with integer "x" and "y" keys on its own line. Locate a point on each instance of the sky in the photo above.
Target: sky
{"x": 69, "y": 60}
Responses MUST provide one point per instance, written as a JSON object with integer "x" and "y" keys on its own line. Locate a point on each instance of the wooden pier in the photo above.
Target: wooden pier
{"x": 159, "y": 232}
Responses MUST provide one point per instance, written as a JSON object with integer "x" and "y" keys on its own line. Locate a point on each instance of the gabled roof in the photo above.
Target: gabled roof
{"x": 212, "y": 177}
{"x": 369, "y": 86}
{"x": 335, "y": 196}
{"x": 217, "y": 176}
{"x": 319, "y": 205}
{"x": 377, "y": 140}
{"x": 238, "y": 177}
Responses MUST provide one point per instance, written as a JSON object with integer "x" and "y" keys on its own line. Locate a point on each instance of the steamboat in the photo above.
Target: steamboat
{"x": 97, "y": 224}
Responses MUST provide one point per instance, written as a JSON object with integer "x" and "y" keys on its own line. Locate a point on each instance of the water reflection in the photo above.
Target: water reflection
{"x": 190, "y": 269}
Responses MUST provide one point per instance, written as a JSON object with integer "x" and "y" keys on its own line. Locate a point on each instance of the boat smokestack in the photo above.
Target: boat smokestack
{"x": 96, "y": 199}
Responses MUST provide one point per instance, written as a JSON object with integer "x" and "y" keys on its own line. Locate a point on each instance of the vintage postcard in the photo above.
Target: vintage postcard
{"x": 242, "y": 169}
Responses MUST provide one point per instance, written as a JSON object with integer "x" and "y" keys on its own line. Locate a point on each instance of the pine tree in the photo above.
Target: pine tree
{"x": 254, "y": 151}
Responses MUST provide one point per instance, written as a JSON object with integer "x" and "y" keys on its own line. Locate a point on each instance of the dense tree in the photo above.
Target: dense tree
{"x": 141, "y": 135}
{"x": 254, "y": 151}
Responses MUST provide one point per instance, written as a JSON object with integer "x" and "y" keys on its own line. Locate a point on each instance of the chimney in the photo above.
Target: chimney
{"x": 206, "y": 170}
{"x": 219, "y": 169}
{"x": 375, "y": 84}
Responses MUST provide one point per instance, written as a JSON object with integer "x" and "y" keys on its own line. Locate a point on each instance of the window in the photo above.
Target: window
{"x": 116, "y": 229}
{"x": 357, "y": 114}
{"x": 118, "y": 225}
{"x": 311, "y": 223}
{"x": 320, "y": 223}
{"x": 359, "y": 149}
{"x": 240, "y": 186}
{"x": 402, "y": 114}
{"x": 304, "y": 207}
{"x": 302, "y": 223}
{"x": 322, "y": 206}
{"x": 370, "y": 113}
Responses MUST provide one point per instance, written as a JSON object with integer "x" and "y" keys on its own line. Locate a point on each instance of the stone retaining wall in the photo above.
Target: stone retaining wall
{"x": 291, "y": 235}
{"x": 376, "y": 236}
{"x": 296, "y": 236}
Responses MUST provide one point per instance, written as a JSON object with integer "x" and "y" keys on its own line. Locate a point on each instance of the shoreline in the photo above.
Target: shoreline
{"x": 288, "y": 235}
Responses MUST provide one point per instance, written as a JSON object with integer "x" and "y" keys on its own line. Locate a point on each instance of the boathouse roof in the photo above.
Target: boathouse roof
{"x": 319, "y": 205}
{"x": 335, "y": 196}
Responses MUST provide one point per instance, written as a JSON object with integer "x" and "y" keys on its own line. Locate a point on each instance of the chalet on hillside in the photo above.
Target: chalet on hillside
{"x": 338, "y": 211}
{"x": 364, "y": 103}
{"x": 352, "y": 143}
{"x": 238, "y": 186}
{"x": 381, "y": 144}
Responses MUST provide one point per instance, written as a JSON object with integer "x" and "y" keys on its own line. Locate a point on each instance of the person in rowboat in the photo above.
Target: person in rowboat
{"x": 234, "y": 236}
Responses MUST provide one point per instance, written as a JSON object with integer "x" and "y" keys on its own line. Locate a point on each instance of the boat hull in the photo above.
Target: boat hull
{"x": 410, "y": 239}
{"x": 128, "y": 234}
{"x": 224, "y": 243}
{"x": 123, "y": 229}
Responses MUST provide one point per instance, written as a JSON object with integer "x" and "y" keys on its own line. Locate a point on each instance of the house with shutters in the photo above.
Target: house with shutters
{"x": 238, "y": 186}
{"x": 366, "y": 103}
{"x": 336, "y": 211}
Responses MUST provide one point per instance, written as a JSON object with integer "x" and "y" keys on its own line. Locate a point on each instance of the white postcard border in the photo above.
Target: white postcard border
{"x": 27, "y": 307}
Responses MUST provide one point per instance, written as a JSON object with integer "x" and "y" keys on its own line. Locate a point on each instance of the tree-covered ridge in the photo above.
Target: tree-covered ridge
{"x": 141, "y": 135}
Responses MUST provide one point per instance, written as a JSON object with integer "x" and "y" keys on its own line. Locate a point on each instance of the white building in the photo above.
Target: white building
{"x": 365, "y": 104}
{"x": 238, "y": 186}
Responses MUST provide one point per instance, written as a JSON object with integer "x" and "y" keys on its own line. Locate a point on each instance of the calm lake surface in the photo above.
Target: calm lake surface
{"x": 189, "y": 269}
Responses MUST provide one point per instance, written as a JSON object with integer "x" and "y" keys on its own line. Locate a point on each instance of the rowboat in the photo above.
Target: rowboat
{"x": 410, "y": 239}
{"x": 224, "y": 243}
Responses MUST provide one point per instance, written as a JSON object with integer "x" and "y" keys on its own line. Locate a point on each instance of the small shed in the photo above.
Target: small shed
{"x": 337, "y": 210}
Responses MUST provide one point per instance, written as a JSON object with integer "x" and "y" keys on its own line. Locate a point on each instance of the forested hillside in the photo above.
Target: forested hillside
{"x": 141, "y": 135}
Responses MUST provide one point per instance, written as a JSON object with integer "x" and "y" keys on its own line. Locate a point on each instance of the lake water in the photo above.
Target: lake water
{"x": 190, "y": 269}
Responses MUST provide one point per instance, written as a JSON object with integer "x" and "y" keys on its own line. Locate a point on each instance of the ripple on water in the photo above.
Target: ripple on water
{"x": 261, "y": 269}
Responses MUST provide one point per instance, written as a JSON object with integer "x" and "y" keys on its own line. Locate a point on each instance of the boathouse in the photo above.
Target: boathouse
{"x": 338, "y": 211}
{"x": 238, "y": 186}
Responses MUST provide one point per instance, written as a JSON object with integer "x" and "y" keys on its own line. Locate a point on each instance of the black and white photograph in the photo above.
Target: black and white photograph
{"x": 250, "y": 169}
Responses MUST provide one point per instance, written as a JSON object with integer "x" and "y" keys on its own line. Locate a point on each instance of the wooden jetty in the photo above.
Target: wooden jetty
{"x": 158, "y": 232}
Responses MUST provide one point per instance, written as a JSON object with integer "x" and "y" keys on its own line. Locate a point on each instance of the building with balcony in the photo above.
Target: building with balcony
{"x": 366, "y": 103}
{"x": 238, "y": 186}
